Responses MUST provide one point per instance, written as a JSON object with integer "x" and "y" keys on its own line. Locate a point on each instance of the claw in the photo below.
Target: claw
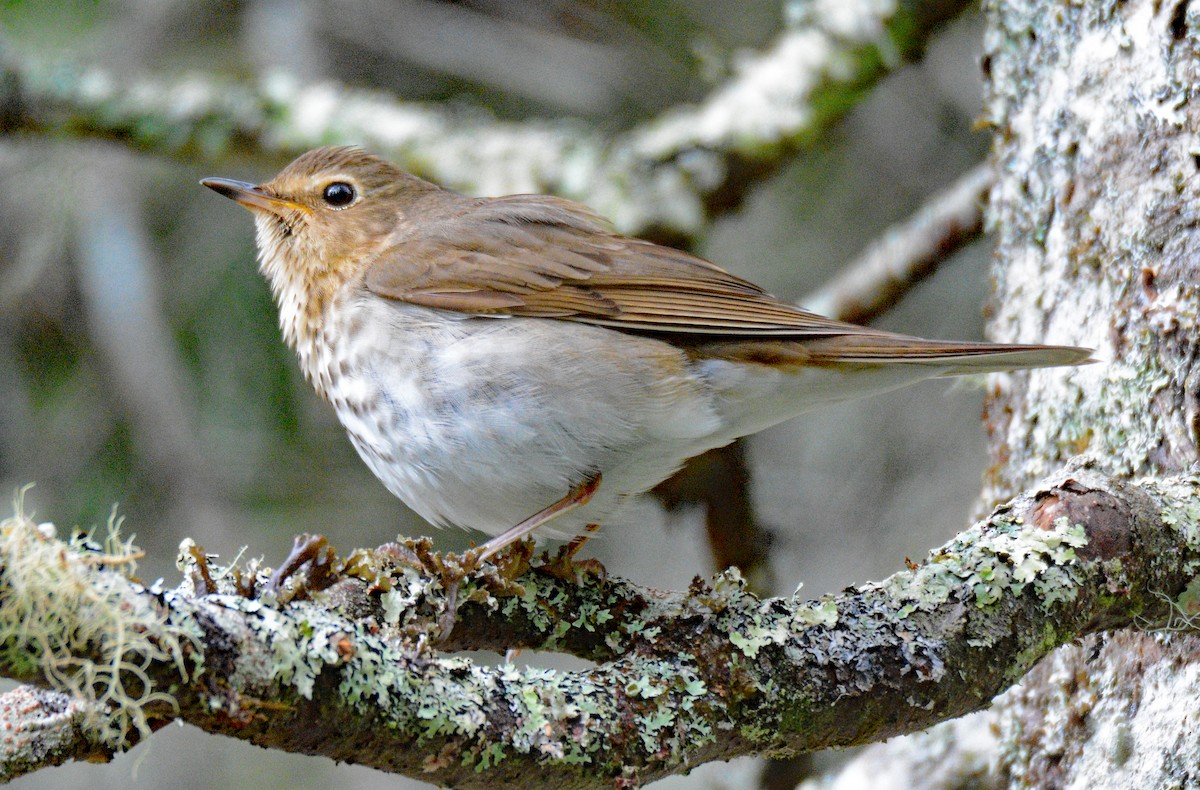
{"x": 311, "y": 550}
{"x": 564, "y": 565}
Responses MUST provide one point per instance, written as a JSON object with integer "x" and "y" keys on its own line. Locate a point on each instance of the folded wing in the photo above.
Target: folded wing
{"x": 545, "y": 257}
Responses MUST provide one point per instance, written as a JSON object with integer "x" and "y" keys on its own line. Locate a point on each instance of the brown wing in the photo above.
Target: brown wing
{"x": 538, "y": 256}
{"x": 528, "y": 255}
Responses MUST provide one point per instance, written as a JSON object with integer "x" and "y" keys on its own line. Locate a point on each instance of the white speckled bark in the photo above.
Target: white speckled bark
{"x": 1095, "y": 113}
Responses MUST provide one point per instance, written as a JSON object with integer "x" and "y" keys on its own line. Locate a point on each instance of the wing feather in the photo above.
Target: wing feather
{"x": 545, "y": 257}
{"x": 548, "y": 257}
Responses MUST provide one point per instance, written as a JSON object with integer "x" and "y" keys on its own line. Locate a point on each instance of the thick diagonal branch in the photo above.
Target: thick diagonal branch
{"x": 682, "y": 678}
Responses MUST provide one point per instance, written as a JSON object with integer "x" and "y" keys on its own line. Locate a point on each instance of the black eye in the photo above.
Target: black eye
{"x": 339, "y": 194}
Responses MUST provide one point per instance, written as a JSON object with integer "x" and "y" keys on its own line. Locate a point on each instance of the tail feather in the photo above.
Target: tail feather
{"x": 957, "y": 358}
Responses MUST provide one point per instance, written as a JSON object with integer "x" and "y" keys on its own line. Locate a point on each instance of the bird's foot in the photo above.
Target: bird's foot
{"x": 310, "y": 552}
{"x": 564, "y": 566}
{"x": 470, "y": 573}
{"x": 574, "y": 571}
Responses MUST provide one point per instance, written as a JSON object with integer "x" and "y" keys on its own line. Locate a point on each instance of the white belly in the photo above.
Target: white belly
{"x": 484, "y": 421}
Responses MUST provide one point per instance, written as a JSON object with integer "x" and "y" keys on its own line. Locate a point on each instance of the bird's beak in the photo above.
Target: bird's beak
{"x": 250, "y": 195}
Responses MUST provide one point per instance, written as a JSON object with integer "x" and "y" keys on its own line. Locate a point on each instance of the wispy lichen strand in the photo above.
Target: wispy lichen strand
{"x": 89, "y": 631}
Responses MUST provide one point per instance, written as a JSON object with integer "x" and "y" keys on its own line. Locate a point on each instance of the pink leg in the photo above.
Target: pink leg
{"x": 576, "y": 497}
{"x": 579, "y": 540}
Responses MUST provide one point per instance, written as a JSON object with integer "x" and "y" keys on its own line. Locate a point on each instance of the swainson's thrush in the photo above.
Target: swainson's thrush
{"x": 493, "y": 358}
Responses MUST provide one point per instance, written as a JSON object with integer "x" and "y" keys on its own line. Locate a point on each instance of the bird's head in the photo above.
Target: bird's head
{"x": 326, "y": 213}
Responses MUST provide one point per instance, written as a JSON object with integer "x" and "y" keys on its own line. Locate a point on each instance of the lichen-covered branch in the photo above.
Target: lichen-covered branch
{"x": 667, "y": 175}
{"x": 343, "y": 659}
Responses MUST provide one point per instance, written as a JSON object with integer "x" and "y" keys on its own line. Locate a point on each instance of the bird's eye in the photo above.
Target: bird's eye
{"x": 339, "y": 194}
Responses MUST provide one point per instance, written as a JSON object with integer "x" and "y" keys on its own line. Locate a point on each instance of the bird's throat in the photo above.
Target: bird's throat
{"x": 303, "y": 285}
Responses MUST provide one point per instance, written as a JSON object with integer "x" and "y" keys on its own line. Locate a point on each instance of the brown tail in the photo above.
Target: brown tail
{"x": 959, "y": 358}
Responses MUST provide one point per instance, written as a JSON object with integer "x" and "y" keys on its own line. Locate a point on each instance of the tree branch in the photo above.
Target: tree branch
{"x": 665, "y": 176}
{"x": 683, "y": 678}
{"x": 907, "y": 252}
{"x": 43, "y": 728}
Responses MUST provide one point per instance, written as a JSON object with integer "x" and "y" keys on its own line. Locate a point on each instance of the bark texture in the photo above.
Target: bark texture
{"x": 1094, "y": 210}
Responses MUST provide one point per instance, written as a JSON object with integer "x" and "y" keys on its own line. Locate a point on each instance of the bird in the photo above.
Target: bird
{"x": 515, "y": 366}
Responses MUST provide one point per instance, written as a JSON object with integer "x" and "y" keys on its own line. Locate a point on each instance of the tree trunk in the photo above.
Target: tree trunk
{"x": 1094, "y": 111}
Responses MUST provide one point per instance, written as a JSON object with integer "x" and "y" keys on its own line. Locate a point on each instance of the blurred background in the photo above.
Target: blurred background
{"x": 141, "y": 365}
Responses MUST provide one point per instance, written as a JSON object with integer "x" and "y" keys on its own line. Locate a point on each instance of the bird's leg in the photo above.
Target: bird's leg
{"x": 455, "y": 568}
{"x": 579, "y": 541}
{"x": 576, "y": 497}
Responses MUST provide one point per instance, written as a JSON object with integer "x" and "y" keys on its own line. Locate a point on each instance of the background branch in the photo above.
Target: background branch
{"x": 906, "y": 253}
{"x": 665, "y": 177}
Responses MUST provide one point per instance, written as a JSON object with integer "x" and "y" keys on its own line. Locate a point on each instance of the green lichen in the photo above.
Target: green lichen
{"x": 750, "y": 630}
{"x": 757, "y": 733}
{"x": 1188, "y": 601}
{"x": 490, "y": 756}
{"x": 555, "y": 612}
{"x": 992, "y": 565}
{"x": 1047, "y": 639}
{"x": 676, "y": 721}
{"x": 750, "y": 623}
{"x": 820, "y": 613}
{"x": 1180, "y": 500}
{"x": 649, "y": 726}
{"x": 643, "y": 687}
{"x": 402, "y": 593}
